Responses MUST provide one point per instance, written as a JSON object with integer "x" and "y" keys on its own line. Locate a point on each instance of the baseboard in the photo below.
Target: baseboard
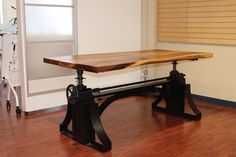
{"x": 214, "y": 101}
{"x": 209, "y": 100}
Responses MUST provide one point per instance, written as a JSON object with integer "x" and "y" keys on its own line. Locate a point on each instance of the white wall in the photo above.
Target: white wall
{"x": 109, "y": 26}
{"x": 214, "y": 77}
{"x": 8, "y": 12}
{"x": 103, "y": 26}
{"x": 1, "y": 12}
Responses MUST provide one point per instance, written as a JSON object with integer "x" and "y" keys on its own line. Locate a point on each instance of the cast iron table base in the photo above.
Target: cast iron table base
{"x": 85, "y": 113}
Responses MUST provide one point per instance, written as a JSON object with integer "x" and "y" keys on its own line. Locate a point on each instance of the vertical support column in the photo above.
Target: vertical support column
{"x": 86, "y": 119}
{"x": 175, "y": 92}
{"x": 80, "y": 78}
{"x": 85, "y": 116}
{"x": 82, "y": 129}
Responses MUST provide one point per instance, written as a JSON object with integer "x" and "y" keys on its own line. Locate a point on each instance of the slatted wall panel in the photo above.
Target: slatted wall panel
{"x": 197, "y": 21}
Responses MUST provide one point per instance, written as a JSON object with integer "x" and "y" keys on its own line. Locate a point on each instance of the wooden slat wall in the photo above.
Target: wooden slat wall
{"x": 197, "y": 21}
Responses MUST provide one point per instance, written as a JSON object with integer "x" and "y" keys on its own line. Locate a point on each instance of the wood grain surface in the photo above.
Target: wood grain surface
{"x": 114, "y": 61}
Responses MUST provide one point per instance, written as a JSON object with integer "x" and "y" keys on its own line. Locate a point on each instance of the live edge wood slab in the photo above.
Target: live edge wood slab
{"x": 121, "y": 60}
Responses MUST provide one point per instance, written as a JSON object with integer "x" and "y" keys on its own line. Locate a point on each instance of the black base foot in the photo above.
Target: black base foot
{"x": 188, "y": 95}
{"x": 196, "y": 113}
{"x": 196, "y": 117}
{"x": 18, "y": 110}
{"x": 8, "y": 104}
{"x": 95, "y": 145}
{"x": 66, "y": 132}
{"x": 184, "y": 115}
{"x": 99, "y": 147}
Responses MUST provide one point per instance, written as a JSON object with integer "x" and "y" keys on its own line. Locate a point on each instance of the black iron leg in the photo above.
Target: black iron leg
{"x": 156, "y": 102}
{"x": 174, "y": 94}
{"x": 158, "y": 99}
{"x": 107, "y": 102}
{"x": 113, "y": 98}
{"x": 72, "y": 98}
{"x": 81, "y": 123}
{"x": 66, "y": 121}
{"x": 86, "y": 123}
{"x": 85, "y": 117}
{"x": 191, "y": 103}
{"x": 100, "y": 132}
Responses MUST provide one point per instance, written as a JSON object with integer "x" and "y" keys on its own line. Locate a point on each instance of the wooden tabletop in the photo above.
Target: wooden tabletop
{"x": 121, "y": 60}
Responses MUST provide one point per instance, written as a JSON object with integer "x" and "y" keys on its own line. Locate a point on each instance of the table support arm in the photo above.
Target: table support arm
{"x": 85, "y": 116}
{"x": 99, "y": 130}
{"x": 64, "y": 125}
{"x": 174, "y": 95}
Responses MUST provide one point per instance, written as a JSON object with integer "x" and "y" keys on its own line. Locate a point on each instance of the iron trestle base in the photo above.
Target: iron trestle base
{"x": 85, "y": 113}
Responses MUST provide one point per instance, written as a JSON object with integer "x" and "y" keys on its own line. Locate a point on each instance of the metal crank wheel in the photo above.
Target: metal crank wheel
{"x": 72, "y": 94}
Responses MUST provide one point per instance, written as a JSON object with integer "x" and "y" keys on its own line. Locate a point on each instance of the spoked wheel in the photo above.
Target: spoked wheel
{"x": 72, "y": 94}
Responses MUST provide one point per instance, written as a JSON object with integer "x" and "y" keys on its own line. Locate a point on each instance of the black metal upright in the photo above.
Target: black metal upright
{"x": 85, "y": 116}
{"x": 174, "y": 94}
{"x": 81, "y": 121}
